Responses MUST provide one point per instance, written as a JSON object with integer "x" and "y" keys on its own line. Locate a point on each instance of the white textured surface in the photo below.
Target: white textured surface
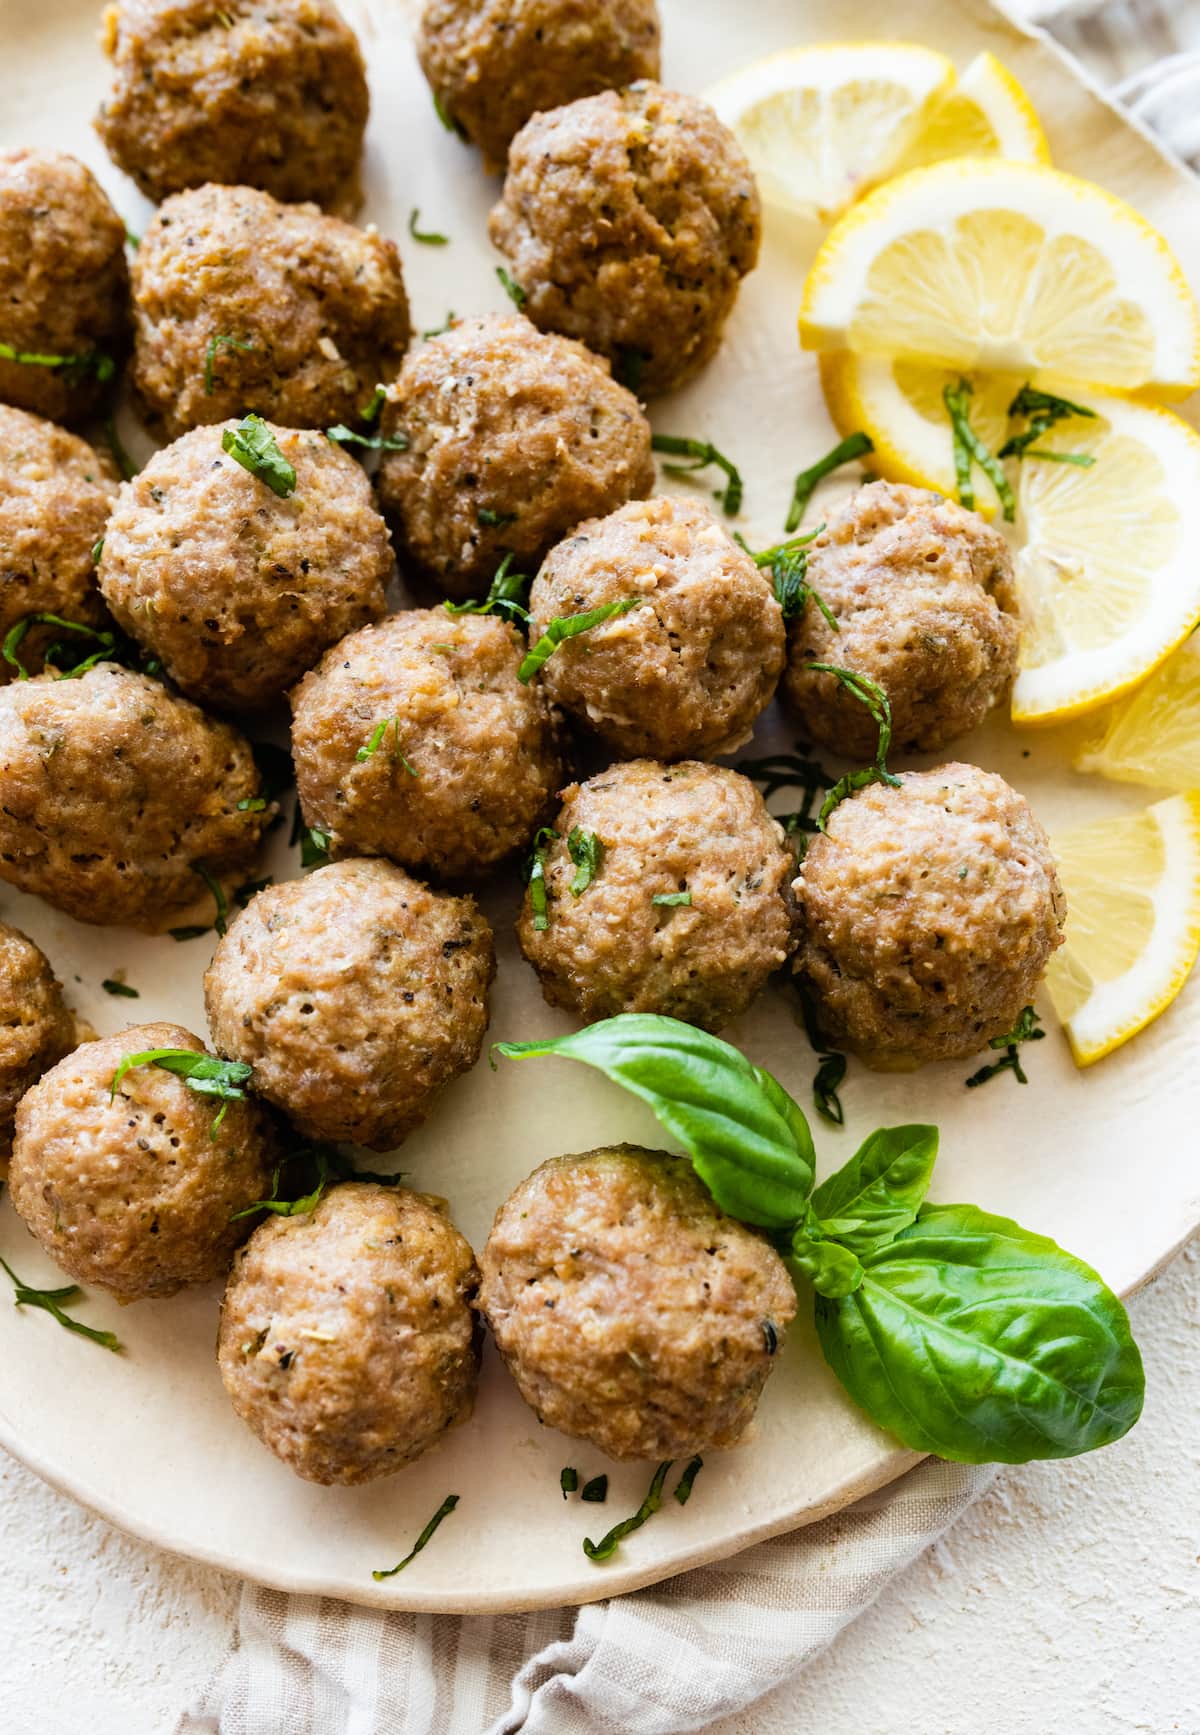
{"x": 1067, "y": 1601}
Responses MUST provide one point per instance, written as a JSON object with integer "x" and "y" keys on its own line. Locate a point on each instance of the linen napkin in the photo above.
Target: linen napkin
{"x": 683, "y": 1654}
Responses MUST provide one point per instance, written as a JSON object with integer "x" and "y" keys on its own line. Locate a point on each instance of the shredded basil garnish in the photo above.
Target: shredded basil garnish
{"x": 370, "y": 410}
{"x": 872, "y": 695}
{"x": 702, "y": 453}
{"x": 693, "y": 1467}
{"x": 1028, "y": 1028}
{"x": 489, "y": 519}
{"x": 595, "y": 1491}
{"x": 253, "y": 445}
{"x": 587, "y": 852}
{"x": 807, "y": 482}
{"x": 221, "y": 920}
{"x": 74, "y": 367}
{"x": 375, "y": 740}
{"x": 1042, "y": 410}
{"x": 607, "y": 1546}
{"x": 437, "y": 330}
{"x": 341, "y": 435}
{"x": 970, "y": 450}
{"x": 204, "y": 1073}
{"x": 568, "y": 1480}
{"x": 51, "y": 1302}
{"x": 427, "y": 237}
{"x": 788, "y": 566}
{"x": 219, "y": 340}
{"x": 119, "y": 990}
{"x": 506, "y": 596}
{"x": 117, "y": 447}
{"x": 15, "y": 636}
{"x": 441, "y": 111}
{"x": 97, "y": 551}
{"x": 447, "y": 1506}
{"x": 671, "y": 899}
{"x": 569, "y": 627}
{"x": 512, "y": 288}
{"x": 536, "y": 876}
{"x": 831, "y": 1066}
{"x": 322, "y": 1165}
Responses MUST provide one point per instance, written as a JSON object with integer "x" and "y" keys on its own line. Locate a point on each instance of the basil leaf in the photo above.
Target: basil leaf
{"x": 831, "y": 1268}
{"x": 702, "y": 453}
{"x": 587, "y": 852}
{"x": 879, "y": 1191}
{"x": 978, "y": 1340}
{"x": 570, "y": 626}
{"x": 253, "y": 445}
{"x": 749, "y": 1142}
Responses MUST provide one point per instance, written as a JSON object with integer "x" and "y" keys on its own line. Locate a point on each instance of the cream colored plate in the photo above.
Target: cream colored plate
{"x": 1104, "y": 1161}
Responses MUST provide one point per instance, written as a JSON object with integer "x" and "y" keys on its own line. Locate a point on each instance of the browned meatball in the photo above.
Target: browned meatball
{"x": 630, "y": 1310}
{"x": 356, "y": 994}
{"x": 494, "y": 63}
{"x": 347, "y": 1341}
{"x": 688, "y": 671}
{"x": 36, "y": 1029}
{"x": 55, "y": 496}
{"x": 116, "y": 792}
{"x": 929, "y": 914}
{"x": 237, "y": 590}
{"x": 925, "y": 604}
{"x": 688, "y": 913}
{"x": 513, "y": 437}
{"x": 241, "y": 302}
{"x": 64, "y": 285}
{"x": 238, "y": 91}
{"x": 414, "y": 739}
{"x": 136, "y": 1191}
{"x": 629, "y": 220}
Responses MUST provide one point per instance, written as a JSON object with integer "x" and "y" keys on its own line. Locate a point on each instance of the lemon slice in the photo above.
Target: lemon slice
{"x": 1153, "y": 735}
{"x": 1133, "y": 922}
{"x": 900, "y": 405}
{"x": 821, "y": 124}
{"x": 1108, "y": 578}
{"x": 985, "y": 114}
{"x": 989, "y": 266}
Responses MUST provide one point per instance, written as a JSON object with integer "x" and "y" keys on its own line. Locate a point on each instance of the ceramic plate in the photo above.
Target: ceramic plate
{"x": 1103, "y": 1161}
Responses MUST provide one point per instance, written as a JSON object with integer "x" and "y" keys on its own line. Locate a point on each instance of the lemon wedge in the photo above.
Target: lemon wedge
{"x": 820, "y": 124}
{"x": 985, "y": 113}
{"x": 982, "y": 265}
{"x": 1153, "y": 735}
{"x": 1133, "y": 922}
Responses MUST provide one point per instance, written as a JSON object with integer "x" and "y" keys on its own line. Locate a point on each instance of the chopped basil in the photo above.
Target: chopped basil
{"x": 253, "y": 445}
{"x": 788, "y": 564}
{"x": 219, "y": 340}
{"x": 427, "y": 237}
{"x": 506, "y": 595}
{"x": 370, "y": 410}
{"x": 1028, "y": 1028}
{"x": 51, "y": 1300}
{"x": 702, "y": 453}
{"x": 489, "y": 519}
{"x": 807, "y": 482}
{"x": 447, "y": 1506}
{"x": 341, "y": 435}
{"x": 250, "y": 889}
{"x": 119, "y": 990}
{"x": 15, "y": 636}
{"x": 587, "y": 852}
{"x": 116, "y": 446}
{"x": 607, "y": 1546}
{"x": 831, "y": 1066}
{"x": 789, "y": 771}
{"x": 511, "y": 287}
{"x": 1042, "y": 410}
{"x": 569, "y": 627}
{"x": 320, "y": 1166}
{"x": 204, "y": 1073}
{"x": 970, "y": 450}
{"x": 451, "y": 126}
{"x": 132, "y": 240}
{"x": 221, "y": 919}
{"x": 671, "y": 899}
{"x": 97, "y": 551}
{"x": 437, "y": 330}
{"x": 374, "y": 741}
{"x": 595, "y": 1491}
{"x": 537, "y": 876}
{"x": 251, "y": 804}
{"x": 693, "y": 1467}
{"x": 872, "y": 695}
{"x": 74, "y": 367}
{"x": 568, "y": 1480}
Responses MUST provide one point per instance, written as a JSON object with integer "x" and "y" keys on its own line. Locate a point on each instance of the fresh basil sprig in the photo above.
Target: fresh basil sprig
{"x": 253, "y": 445}
{"x": 960, "y": 1332}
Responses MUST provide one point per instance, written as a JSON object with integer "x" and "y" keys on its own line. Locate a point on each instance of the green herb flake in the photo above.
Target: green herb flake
{"x": 870, "y": 694}
{"x": 1028, "y": 1028}
{"x": 51, "y": 1302}
{"x": 970, "y": 450}
{"x": 570, "y": 627}
{"x": 568, "y": 1480}
{"x": 536, "y": 877}
{"x": 74, "y": 367}
{"x": 512, "y": 288}
{"x": 253, "y": 445}
{"x": 221, "y": 919}
{"x": 251, "y": 804}
{"x": 595, "y": 1492}
{"x": 608, "y": 1544}
{"x": 587, "y": 852}
{"x": 831, "y": 1066}
{"x": 693, "y": 1467}
{"x": 218, "y": 341}
{"x": 204, "y": 1073}
{"x": 132, "y": 240}
{"x": 489, "y": 519}
{"x": 672, "y": 900}
{"x": 374, "y": 741}
{"x": 427, "y": 237}
{"x": 341, "y": 435}
{"x": 97, "y": 551}
{"x": 119, "y": 990}
{"x": 506, "y": 596}
{"x": 16, "y": 634}
{"x": 788, "y": 565}
{"x": 443, "y": 114}
{"x": 439, "y": 330}
{"x": 808, "y": 481}
{"x": 702, "y": 453}
{"x": 1042, "y": 410}
{"x": 447, "y": 1506}
{"x": 374, "y": 404}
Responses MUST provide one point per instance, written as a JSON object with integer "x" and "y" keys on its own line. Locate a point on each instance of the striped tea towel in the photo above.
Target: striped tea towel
{"x": 681, "y": 1655}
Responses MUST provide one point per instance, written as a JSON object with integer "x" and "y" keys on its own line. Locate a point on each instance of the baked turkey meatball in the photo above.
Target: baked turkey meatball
{"x": 513, "y": 436}
{"x": 494, "y": 64}
{"x": 925, "y": 604}
{"x": 243, "y": 303}
{"x": 116, "y": 792}
{"x": 347, "y": 1341}
{"x": 929, "y": 913}
{"x": 630, "y": 1310}
{"x": 55, "y": 496}
{"x": 689, "y": 670}
{"x": 36, "y": 1029}
{"x": 356, "y": 994}
{"x": 137, "y": 1191}
{"x": 414, "y": 739}
{"x": 237, "y": 590}
{"x": 688, "y": 911}
{"x": 64, "y": 285}
{"x": 629, "y": 220}
{"x": 244, "y": 92}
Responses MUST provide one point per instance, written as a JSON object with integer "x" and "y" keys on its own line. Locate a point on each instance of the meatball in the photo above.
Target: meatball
{"x": 137, "y": 1191}
{"x": 242, "y": 302}
{"x": 688, "y": 671}
{"x": 347, "y": 1341}
{"x": 494, "y": 65}
{"x": 925, "y": 603}
{"x": 688, "y": 912}
{"x": 630, "y": 1310}
{"x": 236, "y": 590}
{"x": 36, "y": 1029}
{"x": 116, "y": 793}
{"x": 513, "y": 436}
{"x": 414, "y": 739}
{"x": 64, "y": 285}
{"x": 55, "y": 496}
{"x": 357, "y": 995}
{"x": 929, "y": 913}
{"x": 630, "y": 219}
{"x": 237, "y": 91}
